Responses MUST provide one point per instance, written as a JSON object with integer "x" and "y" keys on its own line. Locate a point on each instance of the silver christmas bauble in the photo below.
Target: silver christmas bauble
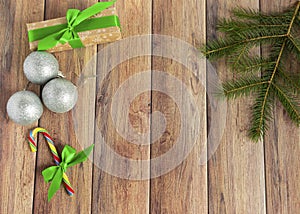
{"x": 60, "y": 95}
{"x": 40, "y": 67}
{"x": 24, "y": 107}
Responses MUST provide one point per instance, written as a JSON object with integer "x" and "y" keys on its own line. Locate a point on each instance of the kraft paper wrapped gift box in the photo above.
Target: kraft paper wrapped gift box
{"x": 88, "y": 38}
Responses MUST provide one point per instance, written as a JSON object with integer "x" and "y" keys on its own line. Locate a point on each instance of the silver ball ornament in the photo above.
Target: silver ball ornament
{"x": 60, "y": 95}
{"x": 24, "y": 107}
{"x": 40, "y": 67}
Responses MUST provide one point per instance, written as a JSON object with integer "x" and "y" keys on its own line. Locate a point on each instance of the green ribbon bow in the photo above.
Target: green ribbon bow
{"x": 69, "y": 158}
{"x": 77, "y": 21}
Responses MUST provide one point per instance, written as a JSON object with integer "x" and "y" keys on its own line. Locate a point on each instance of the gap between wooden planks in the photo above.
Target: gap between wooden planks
{"x": 236, "y": 172}
{"x": 236, "y": 164}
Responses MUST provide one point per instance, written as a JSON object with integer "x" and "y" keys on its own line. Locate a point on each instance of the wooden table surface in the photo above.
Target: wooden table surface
{"x": 241, "y": 177}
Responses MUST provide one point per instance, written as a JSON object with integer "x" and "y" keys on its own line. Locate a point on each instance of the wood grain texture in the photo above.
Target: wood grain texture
{"x": 282, "y": 147}
{"x": 61, "y": 127}
{"x": 242, "y": 177}
{"x": 113, "y": 194}
{"x": 18, "y": 164}
{"x": 236, "y": 171}
{"x": 183, "y": 189}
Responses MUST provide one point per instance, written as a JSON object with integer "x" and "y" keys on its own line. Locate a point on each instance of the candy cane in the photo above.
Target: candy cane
{"x": 33, "y": 145}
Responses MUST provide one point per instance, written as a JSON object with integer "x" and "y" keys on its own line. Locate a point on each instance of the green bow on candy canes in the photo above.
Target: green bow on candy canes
{"x": 77, "y": 21}
{"x": 69, "y": 159}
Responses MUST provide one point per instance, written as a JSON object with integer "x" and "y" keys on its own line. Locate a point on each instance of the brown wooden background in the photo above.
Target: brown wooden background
{"x": 242, "y": 177}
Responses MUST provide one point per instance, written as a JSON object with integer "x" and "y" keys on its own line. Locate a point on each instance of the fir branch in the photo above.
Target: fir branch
{"x": 245, "y": 86}
{"x": 265, "y": 100}
{"x": 267, "y": 92}
{"x": 254, "y": 64}
{"x": 296, "y": 42}
{"x": 261, "y": 115}
{"x": 253, "y": 15}
{"x": 293, "y": 44}
{"x": 236, "y": 60}
{"x": 291, "y": 81}
{"x": 219, "y": 47}
{"x": 289, "y": 102}
{"x": 245, "y": 30}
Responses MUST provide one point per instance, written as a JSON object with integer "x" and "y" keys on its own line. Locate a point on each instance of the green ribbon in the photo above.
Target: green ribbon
{"x": 69, "y": 158}
{"x": 77, "y": 21}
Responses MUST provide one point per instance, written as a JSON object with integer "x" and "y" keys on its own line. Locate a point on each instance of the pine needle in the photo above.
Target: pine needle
{"x": 246, "y": 30}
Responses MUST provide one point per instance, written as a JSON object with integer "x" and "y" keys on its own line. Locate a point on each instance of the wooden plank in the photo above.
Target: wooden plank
{"x": 236, "y": 171}
{"x": 183, "y": 189}
{"x": 282, "y": 148}
{"x": 112, "y": 194}
{"x": 17, "y": 170}
{"x": 61, "y": 127}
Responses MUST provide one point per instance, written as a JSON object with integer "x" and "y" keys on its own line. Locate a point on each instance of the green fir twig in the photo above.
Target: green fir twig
{"x": 246, "y": 30}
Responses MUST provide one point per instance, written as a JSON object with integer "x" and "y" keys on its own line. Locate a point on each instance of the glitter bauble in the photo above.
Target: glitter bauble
{"x": 40, "y": 67}
{"x": 24, "y": 107}
{"x": 60, "y": 95}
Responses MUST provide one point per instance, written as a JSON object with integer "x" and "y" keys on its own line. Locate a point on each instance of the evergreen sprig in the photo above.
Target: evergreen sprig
{"x": 267, "y": 78}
